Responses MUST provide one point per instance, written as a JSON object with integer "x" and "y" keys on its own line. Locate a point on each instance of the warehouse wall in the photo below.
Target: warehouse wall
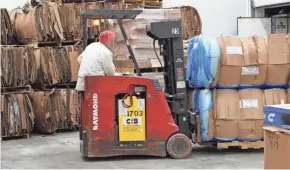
{"x": 11, "y": 4}
{"x": 218, "y": 16}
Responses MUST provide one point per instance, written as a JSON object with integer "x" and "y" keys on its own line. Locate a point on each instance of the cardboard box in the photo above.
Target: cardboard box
{"x": 277, "y": 148}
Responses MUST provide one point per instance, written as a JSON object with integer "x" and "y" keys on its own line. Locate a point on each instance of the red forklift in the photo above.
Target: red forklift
{"x": 132, "y": 115}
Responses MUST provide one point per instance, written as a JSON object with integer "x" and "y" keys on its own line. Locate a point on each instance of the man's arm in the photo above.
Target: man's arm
{"x": 109, "y": 66}
{"x": 80, "y": 58}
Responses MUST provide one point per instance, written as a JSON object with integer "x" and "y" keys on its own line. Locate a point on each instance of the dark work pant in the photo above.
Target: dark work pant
{"x": 82, "y": 98}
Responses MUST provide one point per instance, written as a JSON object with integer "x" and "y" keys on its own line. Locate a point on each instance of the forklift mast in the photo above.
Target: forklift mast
{"x": 169, "y": 36}
{"x": 118, "y": 15}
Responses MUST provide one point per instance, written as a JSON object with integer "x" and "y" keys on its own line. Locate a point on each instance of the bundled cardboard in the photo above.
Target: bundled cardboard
{"x": 237, "y": 114}
{"x": 255, "y": 60}
{"x": 40, "y": 24}
{"x": 17, "y": 116}
{"x": 231, "y": 61}
{"x": 251, "y": 104}
{"x": 57, "y": 64}
{"x": 18, "y": 66}
{"x": 226, "y": 113}
{"x": 275, "y": 96}
{"x": 191, "y": 21}
{"x": 277, "y": 147}
{"x": 251, "y": 114}
{"x": 279, "y": 59}
{"x": 52, "y": 22}
{"x": 7, "y": 31}
{"x": 55, "y": 110}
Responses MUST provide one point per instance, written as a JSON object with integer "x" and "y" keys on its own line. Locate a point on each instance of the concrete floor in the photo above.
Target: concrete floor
{"x": 62, "y": 152}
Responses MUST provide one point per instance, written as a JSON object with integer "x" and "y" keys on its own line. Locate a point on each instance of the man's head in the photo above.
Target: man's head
{"x": 107, "y": 38}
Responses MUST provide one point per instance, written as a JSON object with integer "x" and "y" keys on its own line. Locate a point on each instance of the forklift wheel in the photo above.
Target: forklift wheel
{"x": 179, "y": 146}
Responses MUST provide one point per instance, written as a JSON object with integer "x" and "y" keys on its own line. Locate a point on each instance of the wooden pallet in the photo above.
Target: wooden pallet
{"x": 15, "y": 90}
{"x": 242, "y": 145}
{"x": 22, "y": 136}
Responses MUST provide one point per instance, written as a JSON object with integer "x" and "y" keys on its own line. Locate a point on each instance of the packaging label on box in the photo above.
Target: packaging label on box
{"x": 234, "y": 50}
{"x": 249, "y": 104}
{"x": 250, "y": 71}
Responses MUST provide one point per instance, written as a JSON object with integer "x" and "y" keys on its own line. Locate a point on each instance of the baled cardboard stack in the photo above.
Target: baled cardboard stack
{"x": 18, "y": 66}
{"x": 246, "y": 66}
{"x": 251, "y": 114}
{"x": 17, "y": 115}
{"x": 7, "y": 31}
{"x": 255, "y": 60}
{"x": 51, "y": 22}
{"x": 21, "y": 66}
{"x": 279, "y": 60}
{"x": 231, "y": 61}
{"x": 55, "y": 110}
{"x": 57, "y": 65}
{"x": 238, "y": 115}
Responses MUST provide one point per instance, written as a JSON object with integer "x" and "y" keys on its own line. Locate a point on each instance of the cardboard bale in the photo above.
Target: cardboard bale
{"x": 57, "y": 65}
{"x": 250, "y": 129}
{"x": 254, "y": 70}
{"x": 226, "y": 128}
{"x": 277, "y": 148}
{"x": 231, "y": 61}
{"x": 226, "y": 105}
{"x": 226, "y": 113}
{"x": 7, "y": 31}
{"x": 279, "y": 59}
{"x": 18, "y": 66}
{"x": 275, "y": 96}
{"x": 17, "y": 116}
{"x": 56, "y": 110}
{"x": 46, "y": 119}
{"x": 251, "y": 104}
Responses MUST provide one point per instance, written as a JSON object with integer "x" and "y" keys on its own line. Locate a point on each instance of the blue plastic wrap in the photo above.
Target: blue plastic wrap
{"x": 203, "y": 102}
{"x": 203, "y": 59}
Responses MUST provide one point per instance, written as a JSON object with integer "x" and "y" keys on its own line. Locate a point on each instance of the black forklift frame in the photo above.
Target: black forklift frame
{"x": 118, "y": 15}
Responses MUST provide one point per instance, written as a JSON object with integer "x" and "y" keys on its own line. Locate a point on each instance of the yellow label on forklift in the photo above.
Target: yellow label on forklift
{"x": 132, "y": 120}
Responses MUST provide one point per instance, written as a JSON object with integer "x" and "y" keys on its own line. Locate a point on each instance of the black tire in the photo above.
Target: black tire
{"x": 179, "y": 146}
